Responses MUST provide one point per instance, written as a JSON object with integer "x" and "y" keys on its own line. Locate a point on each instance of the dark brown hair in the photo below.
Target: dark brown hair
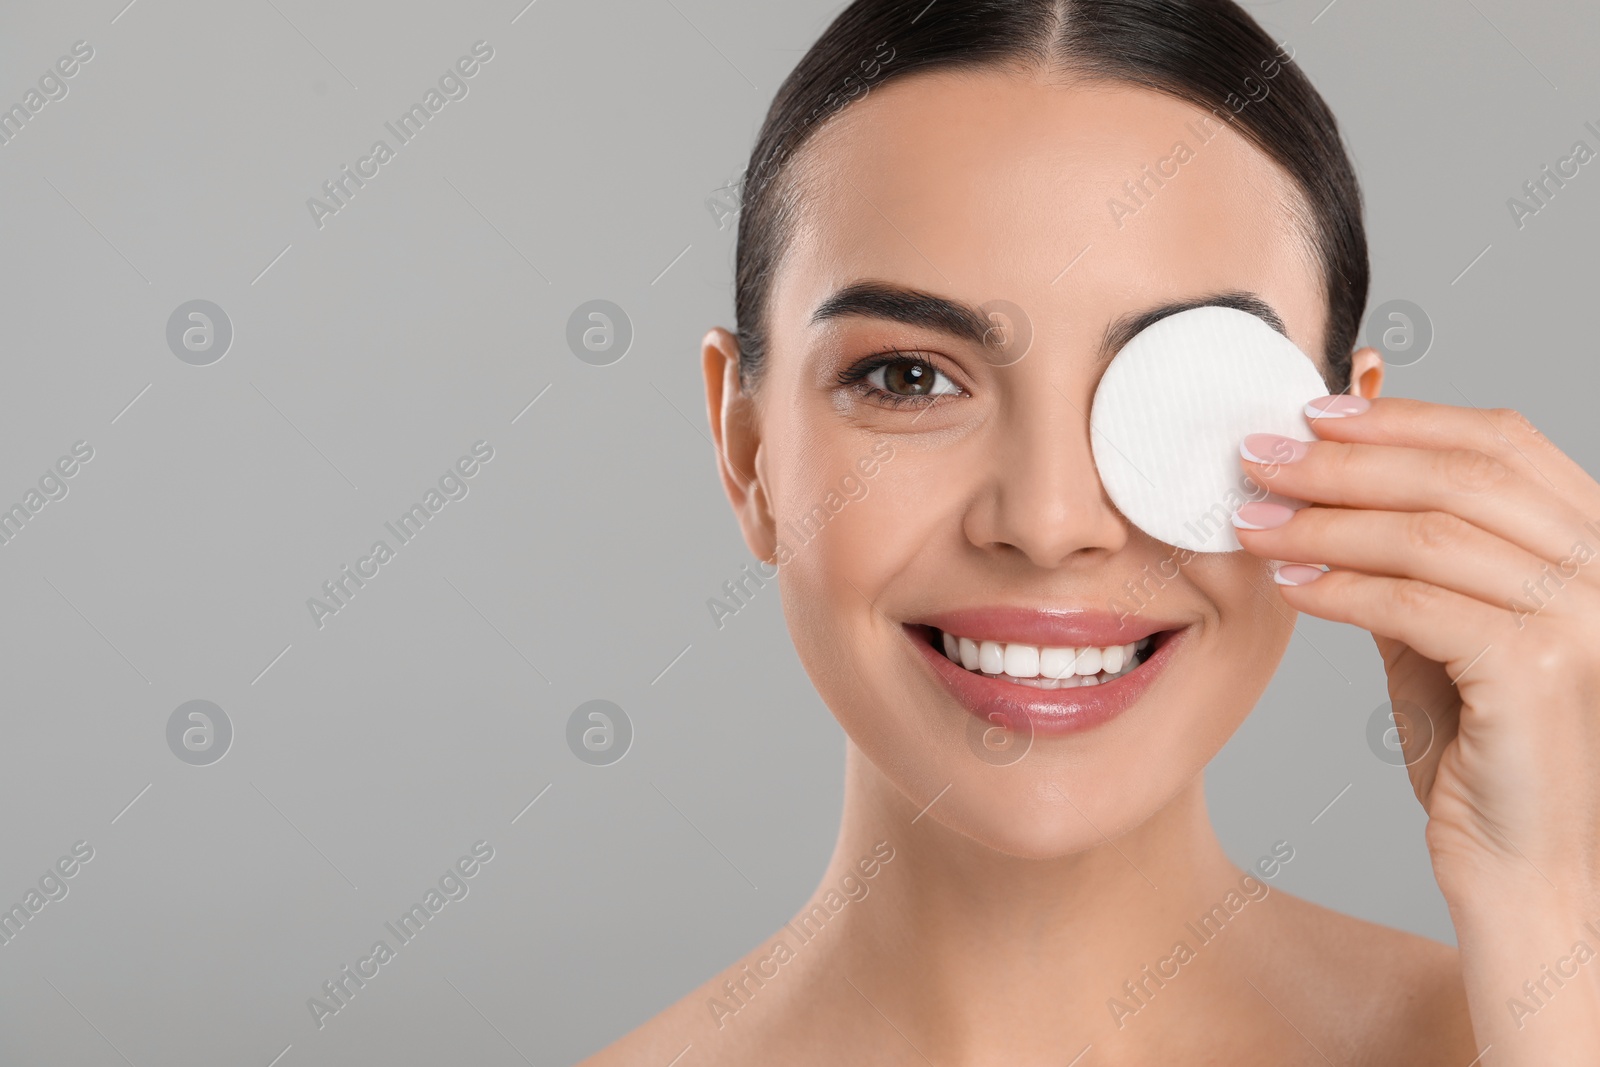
{"x": 1210, "y": 53}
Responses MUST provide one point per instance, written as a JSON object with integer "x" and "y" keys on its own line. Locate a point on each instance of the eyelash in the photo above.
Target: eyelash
{"x": 855, "y": 377}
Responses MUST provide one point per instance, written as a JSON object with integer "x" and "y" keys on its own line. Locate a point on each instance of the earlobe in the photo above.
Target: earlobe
{"x": 736, "y": 437}
{"x": 1366, "y": 373}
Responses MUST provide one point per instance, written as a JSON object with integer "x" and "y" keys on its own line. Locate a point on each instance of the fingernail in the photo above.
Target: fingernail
{"x": 1338, "y": 406}
{"x": 1271, "y": 448}
{"x": 1297, "y": 574}
{"x": 1262, "y": 515}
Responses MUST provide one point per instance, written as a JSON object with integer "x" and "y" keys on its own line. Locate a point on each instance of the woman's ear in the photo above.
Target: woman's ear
{"x": 1366, "y": 373}
{"x": 735, "y": 433}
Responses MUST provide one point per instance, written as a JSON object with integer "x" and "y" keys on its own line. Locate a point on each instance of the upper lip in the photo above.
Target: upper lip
{"x": 1047, "y": 628}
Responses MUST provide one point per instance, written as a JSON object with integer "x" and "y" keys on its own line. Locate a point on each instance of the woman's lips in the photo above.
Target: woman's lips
{"x": 1058, "y": 628}
{"x": 1045, "y": 711}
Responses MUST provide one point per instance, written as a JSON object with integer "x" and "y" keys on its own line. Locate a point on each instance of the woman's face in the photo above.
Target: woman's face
{"x": 956, "y": 484}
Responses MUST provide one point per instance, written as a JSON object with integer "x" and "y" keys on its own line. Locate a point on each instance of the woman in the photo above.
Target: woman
{"x": 1085, "y": 167}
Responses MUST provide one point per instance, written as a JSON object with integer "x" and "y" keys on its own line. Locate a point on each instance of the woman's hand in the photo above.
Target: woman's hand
{"x": 1469, "y": 546}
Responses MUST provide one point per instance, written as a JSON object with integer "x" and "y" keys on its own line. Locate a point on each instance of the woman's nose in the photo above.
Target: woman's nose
{"x": 1040, "y": 494}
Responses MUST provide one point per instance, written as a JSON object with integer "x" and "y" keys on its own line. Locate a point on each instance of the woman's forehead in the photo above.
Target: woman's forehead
{"x": 994, "y": 184}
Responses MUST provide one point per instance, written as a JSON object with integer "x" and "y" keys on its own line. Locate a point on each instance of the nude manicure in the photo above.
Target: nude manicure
{"x": 1337, "y": 407}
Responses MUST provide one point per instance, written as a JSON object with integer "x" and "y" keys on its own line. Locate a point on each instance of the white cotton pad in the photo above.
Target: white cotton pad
{"x": 1174, "y": 405}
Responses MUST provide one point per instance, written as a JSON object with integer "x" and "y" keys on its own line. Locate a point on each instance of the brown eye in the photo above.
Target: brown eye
{"x": 911, "y": 377}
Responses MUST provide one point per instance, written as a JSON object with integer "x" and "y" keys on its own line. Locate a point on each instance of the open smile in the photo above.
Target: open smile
{"x": 1044, "y": 667}
{"x": 1045, "y": 672}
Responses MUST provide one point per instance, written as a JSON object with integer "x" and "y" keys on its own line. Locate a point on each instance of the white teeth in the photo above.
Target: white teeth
{"x": 1022, "y": 661}
{"x": 1069, "y": 682}
{"x": 1045, "y": 668}
{"x": 1057, "y": 662}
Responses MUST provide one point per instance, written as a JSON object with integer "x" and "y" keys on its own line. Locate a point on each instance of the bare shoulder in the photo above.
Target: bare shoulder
{"x": 702, "y": 1023}
{"x": 1369, "y": 995}
{"x": 1393, "y": 997}
{"x": 664, "y": 1038}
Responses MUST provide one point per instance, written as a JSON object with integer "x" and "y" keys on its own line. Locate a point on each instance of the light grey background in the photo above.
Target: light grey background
{"x": 370, "y": 354}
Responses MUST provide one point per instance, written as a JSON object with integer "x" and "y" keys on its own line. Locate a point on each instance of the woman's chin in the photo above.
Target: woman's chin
{"x": 1039, "y": 808}
{"x": 1045, "y": 841}
{"x": 1044, "y": 832}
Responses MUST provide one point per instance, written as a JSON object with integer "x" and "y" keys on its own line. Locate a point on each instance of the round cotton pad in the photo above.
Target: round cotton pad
{"x": 1173, "y": 406}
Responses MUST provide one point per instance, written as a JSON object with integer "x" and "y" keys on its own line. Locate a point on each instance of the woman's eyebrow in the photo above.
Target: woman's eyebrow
{"x": 913, "y": 307}
{"x": 1120, "y": 332}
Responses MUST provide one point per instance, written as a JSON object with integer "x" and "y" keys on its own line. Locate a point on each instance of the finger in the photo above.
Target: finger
{"x": 1423, "y": 701}
{"x": 1473, "y": 485}
{"x": 1447, "y": 627}
{"x": 1502, "y": 433}
{"x": 1430, "y": 546}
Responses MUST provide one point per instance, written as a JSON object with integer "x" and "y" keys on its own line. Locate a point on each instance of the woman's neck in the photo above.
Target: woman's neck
{"x": 971, "y": 947}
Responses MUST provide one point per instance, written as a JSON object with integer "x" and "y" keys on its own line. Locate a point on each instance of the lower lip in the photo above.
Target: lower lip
{"x": 1051, "y": 712}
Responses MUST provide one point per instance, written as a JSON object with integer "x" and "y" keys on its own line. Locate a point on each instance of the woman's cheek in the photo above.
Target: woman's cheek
{"x": 1253, "y": 625}
{"x": 1242, "y": 588}
{"x": 847, "y": 534}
